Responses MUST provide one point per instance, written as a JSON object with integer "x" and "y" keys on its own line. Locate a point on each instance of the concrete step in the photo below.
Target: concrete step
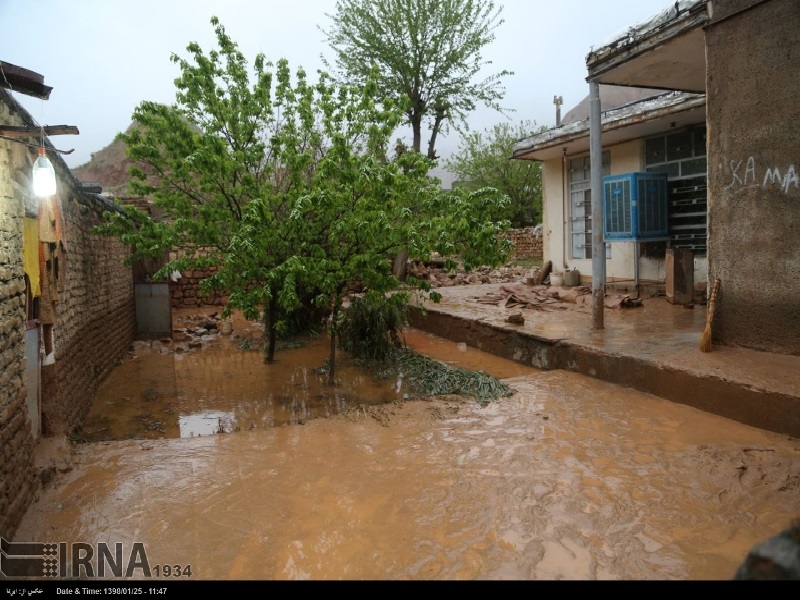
{"x": 653, "y": 349}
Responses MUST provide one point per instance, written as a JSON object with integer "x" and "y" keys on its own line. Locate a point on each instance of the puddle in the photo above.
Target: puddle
{"x": 224, "y": 388}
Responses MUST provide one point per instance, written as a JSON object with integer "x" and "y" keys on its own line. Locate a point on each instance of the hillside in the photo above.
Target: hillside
{"x": 109, "y": 167}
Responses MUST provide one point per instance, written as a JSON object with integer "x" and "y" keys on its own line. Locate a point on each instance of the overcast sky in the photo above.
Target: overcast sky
{"x": 102, "y": 57}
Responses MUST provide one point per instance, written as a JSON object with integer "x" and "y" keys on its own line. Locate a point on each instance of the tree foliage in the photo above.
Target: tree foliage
{"x": 287, "y": 189}
{"x": 428, "y": 54}
{"x": 483, "y": 160}
{"x": 370, "y": 328}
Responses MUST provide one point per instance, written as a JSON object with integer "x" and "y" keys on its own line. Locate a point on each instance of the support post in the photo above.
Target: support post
{"x": 598, "y": 245}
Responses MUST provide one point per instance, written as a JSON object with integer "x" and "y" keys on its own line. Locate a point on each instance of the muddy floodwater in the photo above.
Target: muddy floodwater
{"x": 250, "y": 471}
{"x": 224, "y": 388}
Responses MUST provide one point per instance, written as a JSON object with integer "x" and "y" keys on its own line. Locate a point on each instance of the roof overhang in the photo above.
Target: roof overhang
{"x": 637, "y": 120}
{"x": 665, "y": 52}
{"x": 24, "y": 81}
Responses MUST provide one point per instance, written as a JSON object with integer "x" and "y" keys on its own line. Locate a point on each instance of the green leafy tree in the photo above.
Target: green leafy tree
{"x": 233, "y": 136}
{"x": 286, "y": 187}
{"x": 362, "y": 207}
{"x": 428, "y": 54}
{"x": 483, "y": 160}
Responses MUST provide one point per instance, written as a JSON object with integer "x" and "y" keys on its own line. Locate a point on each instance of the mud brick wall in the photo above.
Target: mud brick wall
{"x": 185, "y": 293}
{"x": 527, "y": 243}
{"x": 95, "y": 322}
{"x": 17, "y": 477}
{"x": 96, "y": 314}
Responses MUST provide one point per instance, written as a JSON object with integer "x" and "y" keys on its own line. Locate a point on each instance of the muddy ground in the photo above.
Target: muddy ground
{"x": 571, "y": 478}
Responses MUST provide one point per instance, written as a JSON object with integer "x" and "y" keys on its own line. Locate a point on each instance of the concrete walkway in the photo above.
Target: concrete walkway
{"x": 653, "y": 348}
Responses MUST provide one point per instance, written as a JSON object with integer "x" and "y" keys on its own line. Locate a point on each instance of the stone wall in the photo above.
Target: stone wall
{"x": 96, "y": 318}
{"x": 753, "y": 96}
{"x": 185, "y": 293}
{"x": 17, "y": 477}
{"x": 94, "y": 324}
{"x": 528, "y": 242}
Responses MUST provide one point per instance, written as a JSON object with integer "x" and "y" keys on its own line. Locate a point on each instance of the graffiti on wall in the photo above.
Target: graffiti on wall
{"x": 748, "y": 173}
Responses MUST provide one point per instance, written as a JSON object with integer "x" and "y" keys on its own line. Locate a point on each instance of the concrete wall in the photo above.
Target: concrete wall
{"x": 93, "y": 328}
{"x": 753, "y": 77}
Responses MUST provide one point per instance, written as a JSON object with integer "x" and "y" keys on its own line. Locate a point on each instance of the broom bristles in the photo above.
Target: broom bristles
{"x": 705, "y": 339}
{"x": 708, "y": 335}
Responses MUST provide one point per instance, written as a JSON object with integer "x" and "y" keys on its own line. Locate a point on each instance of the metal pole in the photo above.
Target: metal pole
{"x": 598, "y": 245}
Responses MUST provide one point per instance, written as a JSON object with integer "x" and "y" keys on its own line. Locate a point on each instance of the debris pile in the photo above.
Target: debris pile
{"x": 191, "y": 332}
{"x": 434, "y": 273}
{"x": 547, "y": 297}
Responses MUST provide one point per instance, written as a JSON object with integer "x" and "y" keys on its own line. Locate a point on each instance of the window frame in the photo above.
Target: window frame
{"x": 688, "y": 185}
{"x": 580, "y": 211}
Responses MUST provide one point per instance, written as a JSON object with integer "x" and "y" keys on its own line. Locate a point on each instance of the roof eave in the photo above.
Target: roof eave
{"x": 613, "y": 120}
{"x": 666, "y": 52}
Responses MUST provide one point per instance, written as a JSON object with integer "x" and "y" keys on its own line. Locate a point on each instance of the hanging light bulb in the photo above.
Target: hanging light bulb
{"x": 44, "y": 176}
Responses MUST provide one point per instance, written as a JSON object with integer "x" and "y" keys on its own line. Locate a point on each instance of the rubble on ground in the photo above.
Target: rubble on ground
{"x": 549, "y": 297}
{"x": 189, "y": 333}
{"x": 435, "y": 274}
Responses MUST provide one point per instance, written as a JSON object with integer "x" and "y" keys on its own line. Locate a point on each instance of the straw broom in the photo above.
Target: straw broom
{"x": 705, "y": 340}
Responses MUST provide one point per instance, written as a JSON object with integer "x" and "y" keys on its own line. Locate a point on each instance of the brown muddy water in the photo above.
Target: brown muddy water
{"x": 226, "y": 388}
{"x": 225, "y": 469}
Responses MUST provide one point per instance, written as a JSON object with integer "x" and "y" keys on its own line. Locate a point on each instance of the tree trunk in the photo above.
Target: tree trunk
{"x": 270, "y": 316}
{"x": 332, "y": 357}
{"x": 548, "y": 266}
{"x": 416, "y": 128}
{"x": 400, "y": 265}
{"x": 437, "y": 126}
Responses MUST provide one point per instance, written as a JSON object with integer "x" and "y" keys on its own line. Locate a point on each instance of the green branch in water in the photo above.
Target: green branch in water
{"x": 428, "y": 377}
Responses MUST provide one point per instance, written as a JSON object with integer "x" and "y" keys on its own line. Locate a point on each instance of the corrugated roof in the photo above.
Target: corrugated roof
{"x": 627, "y": 116}
{"x": 634, "y": 32}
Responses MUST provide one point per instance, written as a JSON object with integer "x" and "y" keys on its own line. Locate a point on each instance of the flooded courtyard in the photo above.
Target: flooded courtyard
{"x": 225, "y": 386}
{"x": 211, "y": 458}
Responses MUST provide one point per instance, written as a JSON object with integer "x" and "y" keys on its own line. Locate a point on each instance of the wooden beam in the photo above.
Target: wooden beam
{"x": 23, "y": 132}
{"x": 24, "y": 81}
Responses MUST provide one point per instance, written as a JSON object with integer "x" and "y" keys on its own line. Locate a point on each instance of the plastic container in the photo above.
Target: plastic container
{"x": 556, "y": 279}
{"x": 572, "y": 278}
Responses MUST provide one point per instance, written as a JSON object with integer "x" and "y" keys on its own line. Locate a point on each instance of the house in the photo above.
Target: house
{"x": 66, "y": 301}
{"x": 665, "y": 131}
{"x": 736, "y": 63}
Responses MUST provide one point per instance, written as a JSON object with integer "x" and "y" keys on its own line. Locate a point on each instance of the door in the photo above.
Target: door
{"x": 33, "y": 378}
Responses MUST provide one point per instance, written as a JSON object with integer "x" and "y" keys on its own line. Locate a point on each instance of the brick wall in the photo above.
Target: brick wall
{"x": 95, "y": 320}
{"x": 527, "y": 242}
{"x": 17, "y": 478}
{"x": 96, "y": 315}
{"x": 185, "y": 293}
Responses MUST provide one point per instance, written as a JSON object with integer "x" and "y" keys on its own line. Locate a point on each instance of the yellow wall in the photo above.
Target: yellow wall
{"x": 625, "y": 158}
{"x": 553, "y": 217}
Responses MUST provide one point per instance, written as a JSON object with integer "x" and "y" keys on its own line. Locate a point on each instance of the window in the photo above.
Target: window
{"x": 682, "y": 156}
{"x": 580, "y": 205}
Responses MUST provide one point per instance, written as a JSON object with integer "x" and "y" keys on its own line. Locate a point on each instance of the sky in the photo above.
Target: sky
{"x": 103, "y": 57}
